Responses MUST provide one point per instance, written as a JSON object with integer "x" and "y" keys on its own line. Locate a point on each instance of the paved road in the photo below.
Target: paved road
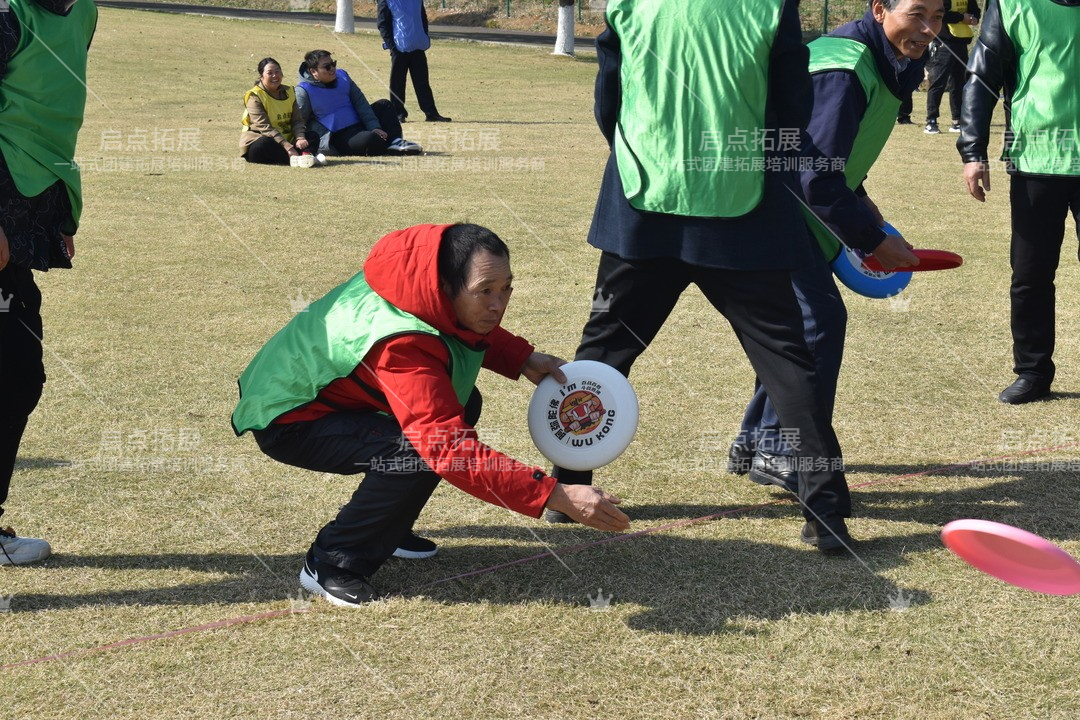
{"x": 439, "y": 32}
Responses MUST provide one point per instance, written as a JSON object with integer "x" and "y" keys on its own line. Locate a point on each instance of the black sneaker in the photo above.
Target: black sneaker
{"x": 739, "y": 458}
{"x": 778, "y": 470}
{"x": 954, "y": 128}
{"x": 904, "y": 120}
{"x": 931, "y": 128}
{"x": 339, "y": 586}
{"x": 831, "y": 538}
{"x": 437, "y": 118}
{"x": 556, "y": 517}
{"x": 415, "y": 547}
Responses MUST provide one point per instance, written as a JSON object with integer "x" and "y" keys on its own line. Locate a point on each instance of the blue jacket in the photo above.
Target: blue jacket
{"x": 356, "y": 98}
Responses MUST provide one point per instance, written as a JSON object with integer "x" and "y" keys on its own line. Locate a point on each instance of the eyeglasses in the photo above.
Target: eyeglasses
{"x": 329, "y": 66}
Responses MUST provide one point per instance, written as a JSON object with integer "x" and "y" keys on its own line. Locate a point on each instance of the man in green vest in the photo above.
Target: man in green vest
{"x": 43, "y": 48}
{"x": 1031, "y": 49}
{"x": 378, "y": 377}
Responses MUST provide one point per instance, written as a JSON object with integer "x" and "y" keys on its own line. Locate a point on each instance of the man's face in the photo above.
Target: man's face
{"x": 482, "y": 301}
{"x": 326, "y": 70}
{"x": 911, "y": 26}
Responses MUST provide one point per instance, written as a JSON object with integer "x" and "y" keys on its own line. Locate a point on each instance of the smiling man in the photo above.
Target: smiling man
{"x": 378, "y": 377}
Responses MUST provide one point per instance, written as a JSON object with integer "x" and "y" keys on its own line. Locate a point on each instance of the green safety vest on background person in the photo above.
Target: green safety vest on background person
{"x": 829, "y": 54}
{"x": 326, "y": 342}
{"x": 690, "y": 138}
{"x": 1045, "y": 120}
{"x": 38, "y": 130}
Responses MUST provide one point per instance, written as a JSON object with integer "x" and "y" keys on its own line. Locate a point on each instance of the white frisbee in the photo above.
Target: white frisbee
{"x": 587, "y": 422}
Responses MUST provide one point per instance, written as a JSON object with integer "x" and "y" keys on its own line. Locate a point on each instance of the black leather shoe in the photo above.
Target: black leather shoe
{"x": 739, "y": 458}
{"x": 1024, "y": 390}
{"x": 830, "y": 537}
{"x": 778, "y": 470}
{"x": 437, "y": 118}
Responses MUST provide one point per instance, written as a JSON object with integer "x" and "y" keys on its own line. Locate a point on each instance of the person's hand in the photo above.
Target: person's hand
{"x": 590, "y": 506}
{"x": 977, "y": 179}
{"x": 538, "y": 366}
{"x": 301, "y": 143}
{"x": 381, "y": 133}
{"x": 970, "y": 19}
{"x": 5, "y": 251}
{"x": 872, "y": 206}
{"x": 293, "y": 151}
{"x": 895, "y": 252}
{"x": 69, "y": 244}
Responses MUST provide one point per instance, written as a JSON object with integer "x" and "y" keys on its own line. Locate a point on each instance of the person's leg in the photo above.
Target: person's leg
{"x": 399, "y": 67}
{"x": 957, "y": 77}
{"x": 1039, "y": 207}
{"x": 267, "y": 151}
{"x": 937, "y": 68}
{"x": 418, "y": 68}
{"x": 388, "y": 118}
{"x": 355, "y": 140}
{"x": 903, "y": 115}
{"x": 764, "y": 312}
{"x": 631, "y": 301}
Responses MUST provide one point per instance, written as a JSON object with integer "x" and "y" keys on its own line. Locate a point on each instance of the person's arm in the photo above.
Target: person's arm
{"x": 992, "y": 61}
{"x": 303, "y": 102}
{"x": 791, "y": 93}
{"x": 385, "y": 22}
{"x": 259, "y": 122}
{"x": 299, "y": 127}
{"x": 362, "y": 107}
{"x": 608, "y": 83}
{"x": 507, "y": 353}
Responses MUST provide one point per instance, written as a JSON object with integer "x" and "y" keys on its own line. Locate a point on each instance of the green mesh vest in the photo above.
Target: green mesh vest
{"x": 830, "y": 54}
{"x": 43, "y": 97}
{"x": 1046, "y": 102}
{"x": 327, "y": 342}
{"x": 690, "y": 138}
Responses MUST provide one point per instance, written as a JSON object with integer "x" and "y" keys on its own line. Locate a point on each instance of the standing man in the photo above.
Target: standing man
{"x": 404, "y": 28}
{"x": 695, "y": 203}
{"x": 1031, "y": 49}
{"x": 860, "y": 72}
{"x": 43, "y": 48}
{"x": 948, "y": 63}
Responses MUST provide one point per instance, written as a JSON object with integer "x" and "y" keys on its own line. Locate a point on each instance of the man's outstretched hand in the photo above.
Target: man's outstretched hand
{"x": 590, "y": 506}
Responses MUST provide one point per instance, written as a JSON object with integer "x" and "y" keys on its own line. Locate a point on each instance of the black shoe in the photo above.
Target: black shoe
{"x": 337, "y": 585}
{"x": 778, "y": 470}
{"x": 1024, "y": 390}
{"x": 830, "y": 538}
{"x": 904, "y": 120}
{"x": 554, "y": 516}
{"x": 401, "y": 118}
{"x": 739, "y": 458}
{"x": 415, "y": 547}
{"x": 931, "y": 128}
{"x": 437, "y": 118}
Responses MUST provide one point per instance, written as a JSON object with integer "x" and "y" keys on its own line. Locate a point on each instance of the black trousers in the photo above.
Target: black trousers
{"x": 22, "y": 373}
{"x": 355, "y": 140}
{"x": 268, "y": 151}
{"x": 948, "y": 69}
{"x": 395, "y": 488}
{"x": 764, "y": 313}
{"x": 414, "y": 63}
{"x": 1039, "y": 208}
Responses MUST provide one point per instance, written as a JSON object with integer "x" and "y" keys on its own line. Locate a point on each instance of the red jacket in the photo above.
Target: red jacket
{"x": 408, "y": 376}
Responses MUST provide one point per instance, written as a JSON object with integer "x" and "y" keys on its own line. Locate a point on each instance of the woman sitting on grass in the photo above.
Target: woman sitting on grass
{"x": 274, "y": 129}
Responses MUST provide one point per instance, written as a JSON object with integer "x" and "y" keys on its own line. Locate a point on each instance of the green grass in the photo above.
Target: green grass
{"x": 729, "y": 618}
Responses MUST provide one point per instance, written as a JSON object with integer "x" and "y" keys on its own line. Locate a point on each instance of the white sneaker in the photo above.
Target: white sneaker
{"x": 303, "y": 161}
{"x": 401, "y": 146}
{"x": 15, "y": 550}
{"x": 320, "y": 160}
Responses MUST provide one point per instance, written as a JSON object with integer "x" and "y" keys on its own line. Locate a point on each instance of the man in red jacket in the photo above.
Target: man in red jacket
{"x": 378, "y": 377}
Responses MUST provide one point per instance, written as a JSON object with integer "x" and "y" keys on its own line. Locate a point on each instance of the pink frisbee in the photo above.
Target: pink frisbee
{"x": 1016, "y": 556}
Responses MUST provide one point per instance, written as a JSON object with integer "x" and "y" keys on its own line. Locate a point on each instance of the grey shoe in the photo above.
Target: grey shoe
{"x": 15, "y": 550}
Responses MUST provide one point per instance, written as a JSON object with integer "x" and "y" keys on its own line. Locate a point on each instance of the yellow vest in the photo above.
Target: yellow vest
{"x": 961, "y": 30}
{"x": 279, "y": 111}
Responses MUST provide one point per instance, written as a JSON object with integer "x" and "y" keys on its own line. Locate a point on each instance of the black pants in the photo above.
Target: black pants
{"x": 22, "y": 372}
{"x": 1039, "y": 208}
{"x": 395, "y": 488}
{"x": 907, "y": 104}
{"x": 355, "y": 140}
{"x": 414, "y": 63}
{"x": 268, "y": 151}
{"x": 947, "y": 68}
{"x": 764, "y": 313}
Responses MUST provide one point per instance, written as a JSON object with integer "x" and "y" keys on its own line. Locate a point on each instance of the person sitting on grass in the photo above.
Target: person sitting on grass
{"x": 274, "y": 129}
{"x": 378, "y": 377}
{"x": 335, "y": 108}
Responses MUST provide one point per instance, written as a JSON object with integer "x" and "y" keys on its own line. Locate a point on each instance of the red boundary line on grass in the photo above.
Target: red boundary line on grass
{"x": 243, "y": 619}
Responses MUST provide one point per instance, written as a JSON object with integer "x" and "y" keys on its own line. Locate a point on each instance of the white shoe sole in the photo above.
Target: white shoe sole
{"x": 415, "y": 555}
{"x": 309, "y": 583}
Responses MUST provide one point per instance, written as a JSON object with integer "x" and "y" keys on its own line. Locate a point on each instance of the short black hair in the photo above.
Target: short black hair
{"x": 890, "y": 5}
{"x": 459, "y": 244}
{"x": 313, "y": 58}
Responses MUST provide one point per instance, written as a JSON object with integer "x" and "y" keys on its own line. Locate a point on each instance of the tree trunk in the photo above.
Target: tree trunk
{"x": 344, "y": 22}
{"x": 564, "y": 38}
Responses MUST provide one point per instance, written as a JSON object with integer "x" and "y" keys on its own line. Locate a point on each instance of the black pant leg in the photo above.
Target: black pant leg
{"x": 957, "y": 78}
{"x": 399, "y": 68}
{"x": 937, "y": 68}
{"x": 1039, "y": 206}
{"x": 765, "y": 314}
{"x": 22, "y": 372}
{"x": 388, "y": 118}
{"x": 418, "y": 68}
{"x": 631, "y": 301}
{"x": 267, "y": 151}
{"x": 355, "y": 140}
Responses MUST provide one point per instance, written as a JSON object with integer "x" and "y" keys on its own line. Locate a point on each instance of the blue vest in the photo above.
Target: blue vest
{"x": 331, "y": 106}
{"x": 409, "y": 32}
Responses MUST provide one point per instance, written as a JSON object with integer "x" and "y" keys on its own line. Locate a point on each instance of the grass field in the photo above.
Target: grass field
{"x": 162, "y": 520}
